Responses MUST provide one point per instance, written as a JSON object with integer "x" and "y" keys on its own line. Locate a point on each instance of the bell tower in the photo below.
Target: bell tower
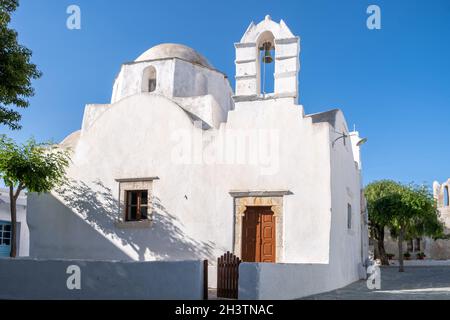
{"x": 255, "y": 50}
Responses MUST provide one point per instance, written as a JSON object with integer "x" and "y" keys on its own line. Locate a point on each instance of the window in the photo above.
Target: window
{"x": 5, "y": 238}
{"x": 446, "y": 197}
{"x": 349, "y": 216}
{"x": 409, "y": 246}
{"x": 417, "y": 245}
{"x": 5, "y": 234}
{"x": 135, "y": 209}
{"x": 149, "y": 79}
{"x": 136, "y": 205}
{"x": 151, "y": 85}
{"x": 413, "y": 245}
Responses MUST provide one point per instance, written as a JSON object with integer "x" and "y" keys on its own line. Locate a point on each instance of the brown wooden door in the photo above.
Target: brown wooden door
{"x": 258, "y": 235}
{"x": 267, "y": 236}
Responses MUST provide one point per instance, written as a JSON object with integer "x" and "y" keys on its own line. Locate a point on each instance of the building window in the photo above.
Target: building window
{"x": 151, "y": 85}
{"x": 149, "y": 79}
{"x": 349, "y": 216}
{"x": 136, "y": 205}
{"x": 135, "y": 202}
{"x": 5, "y": 234}
{"x": 409, "y": 246}
{"x": 413, "y": 245}
{"x": 446, "y": 197}
{"x": 417, "y": 245}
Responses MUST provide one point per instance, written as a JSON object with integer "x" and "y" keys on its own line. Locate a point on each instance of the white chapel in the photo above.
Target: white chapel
{"x": 180, "y": 166}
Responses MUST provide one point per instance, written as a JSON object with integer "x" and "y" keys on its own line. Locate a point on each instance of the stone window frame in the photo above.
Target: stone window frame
{"x": 273, "y": 199}
{"x": 135, "y": 184}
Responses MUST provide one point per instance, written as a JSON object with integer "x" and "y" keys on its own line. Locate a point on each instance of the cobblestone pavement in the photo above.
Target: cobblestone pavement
{"x": 416, "y": 283}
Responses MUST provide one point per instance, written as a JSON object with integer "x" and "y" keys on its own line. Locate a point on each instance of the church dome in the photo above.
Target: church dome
{"x": 173, "y": 50}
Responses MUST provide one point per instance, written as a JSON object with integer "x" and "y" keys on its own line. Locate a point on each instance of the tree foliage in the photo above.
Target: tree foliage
{"x": 409, "y": 211}
{"x": 417, "y": 214}
{"x": 380, "y": 212}
{"x": 16, "y": 69}
{"x": 37, "y": 167}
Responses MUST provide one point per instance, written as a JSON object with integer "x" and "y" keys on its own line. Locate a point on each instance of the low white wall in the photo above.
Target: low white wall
{"x": 264, "y": 281}
{"x": 47, "y": 279}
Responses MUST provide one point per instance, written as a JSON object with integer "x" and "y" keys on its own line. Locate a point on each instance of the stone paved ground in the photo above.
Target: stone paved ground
{"x": 414, "y": 283}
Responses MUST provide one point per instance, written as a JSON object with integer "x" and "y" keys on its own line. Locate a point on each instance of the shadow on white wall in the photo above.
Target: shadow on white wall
{"x": 163, "y": 240}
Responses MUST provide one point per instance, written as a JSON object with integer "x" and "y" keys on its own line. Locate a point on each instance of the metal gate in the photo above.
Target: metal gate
{"x": 228, "y": 276}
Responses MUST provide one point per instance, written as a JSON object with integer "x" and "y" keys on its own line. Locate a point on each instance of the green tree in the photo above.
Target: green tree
{"x": 16, "y": 70}
{"x": 415, "y": 216}
{"x": 380, "y": 212}
{"x": 409, "y": 211}
{"x": 36, "y": 167}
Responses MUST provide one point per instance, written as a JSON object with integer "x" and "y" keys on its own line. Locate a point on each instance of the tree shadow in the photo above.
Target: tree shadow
{"x": 163, "y": 240}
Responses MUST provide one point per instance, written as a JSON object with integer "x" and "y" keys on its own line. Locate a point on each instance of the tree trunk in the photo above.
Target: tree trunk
{"x": 380, "y": 244}
{"x": 13, "y": 210}
{"x": 400, "y": 251}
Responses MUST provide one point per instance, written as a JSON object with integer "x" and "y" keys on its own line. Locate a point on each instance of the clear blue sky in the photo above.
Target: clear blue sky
{"x": 393, "y": 83}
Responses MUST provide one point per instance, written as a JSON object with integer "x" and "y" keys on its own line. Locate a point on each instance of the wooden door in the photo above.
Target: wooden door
{"x": 258, "y": 235}
{"x": 267, "y": 236}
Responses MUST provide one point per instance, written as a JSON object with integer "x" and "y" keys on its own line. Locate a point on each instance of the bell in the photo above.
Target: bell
{"x": 267, "y": 57}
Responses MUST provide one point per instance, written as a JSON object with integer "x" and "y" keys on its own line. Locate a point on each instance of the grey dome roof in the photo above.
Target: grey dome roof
{"x": 173, "y": 50}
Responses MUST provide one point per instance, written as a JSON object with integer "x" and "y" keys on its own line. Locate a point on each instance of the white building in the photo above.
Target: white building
{"x": 23, "y": 234}
{"x": 178, "y": 166}
{"x": 440, "y": 249}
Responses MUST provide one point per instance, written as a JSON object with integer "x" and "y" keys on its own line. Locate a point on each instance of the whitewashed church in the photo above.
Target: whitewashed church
{"x": 179, "y": 166}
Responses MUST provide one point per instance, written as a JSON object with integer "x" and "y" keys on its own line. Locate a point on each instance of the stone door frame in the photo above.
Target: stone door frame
{"x": 272, "y": 199}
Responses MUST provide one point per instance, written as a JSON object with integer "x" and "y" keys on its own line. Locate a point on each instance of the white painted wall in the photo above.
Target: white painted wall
{"x": 269, "y": 281}
{"x": 346, "y": 254}
{"x": 101, "y": 280}
{"x": 5, "y": 215}
{"x": 104, "y": 153}
{"x": 182, "y": 82}
{"x": 347, "y": 251}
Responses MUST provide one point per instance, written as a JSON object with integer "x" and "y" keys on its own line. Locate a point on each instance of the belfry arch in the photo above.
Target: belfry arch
{"x": 285, "y": 49}
{"x": 265, "y": 71}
